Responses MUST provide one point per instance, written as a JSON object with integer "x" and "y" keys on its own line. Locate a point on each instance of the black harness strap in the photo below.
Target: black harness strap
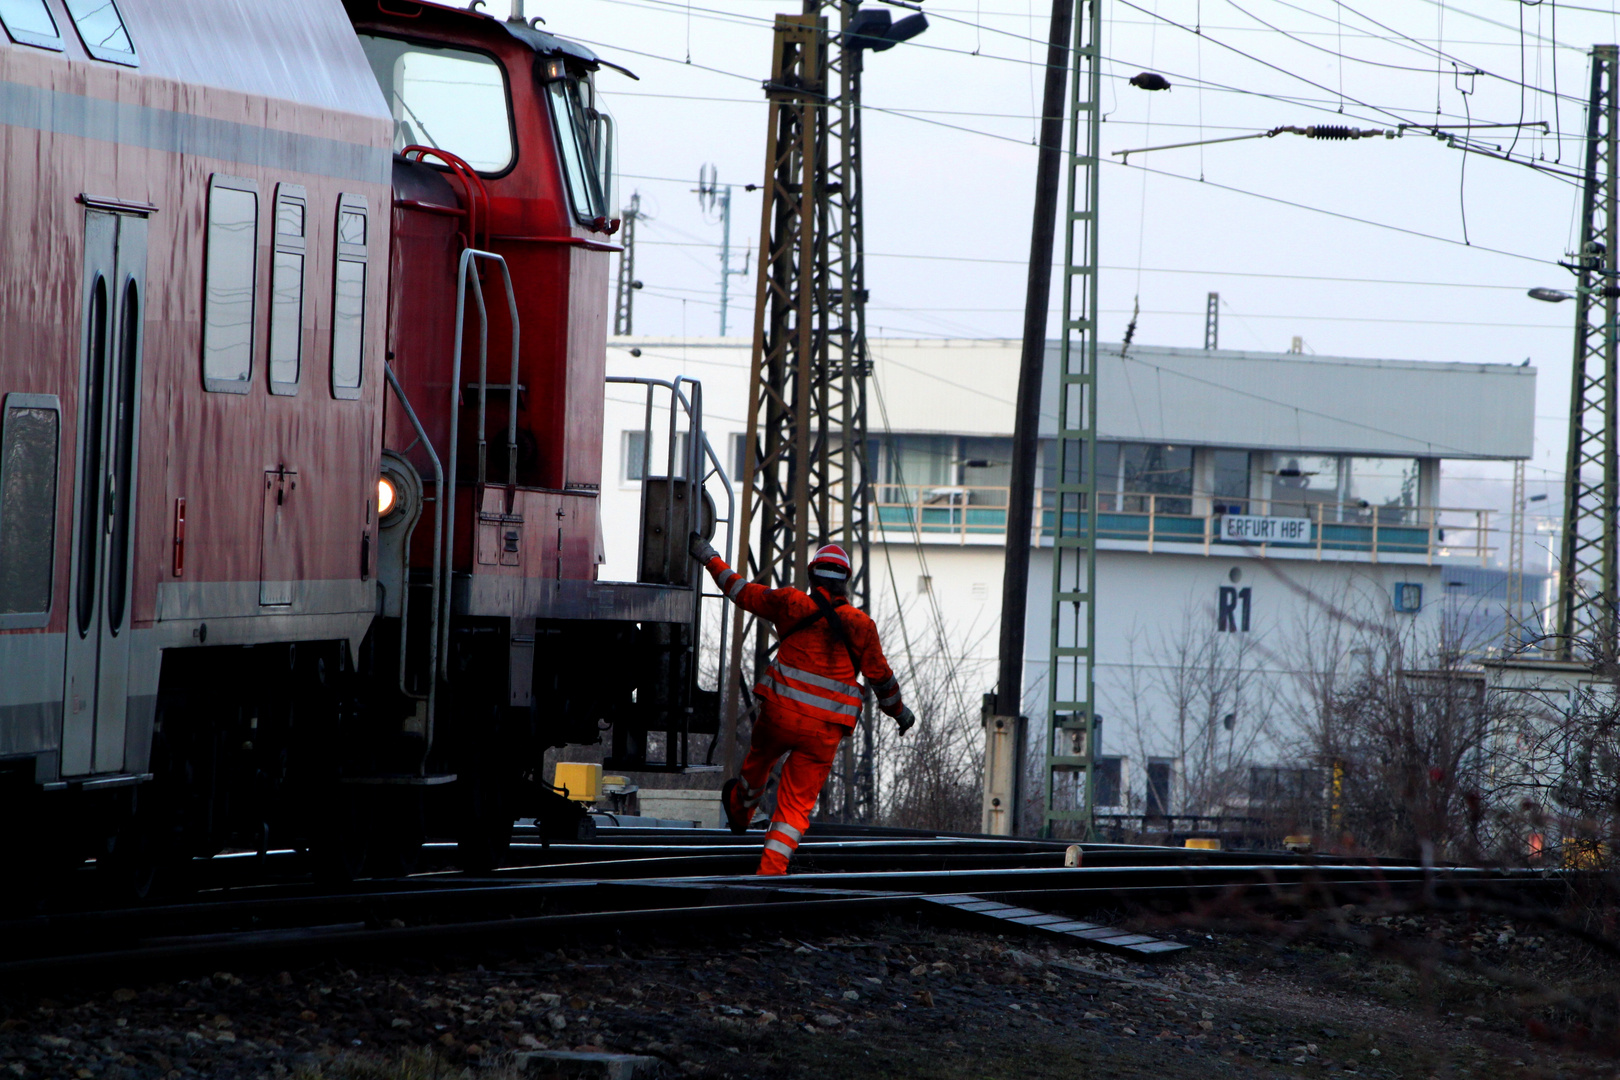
{"x": 829, "y": 612}
{"x": 824, "y": 610}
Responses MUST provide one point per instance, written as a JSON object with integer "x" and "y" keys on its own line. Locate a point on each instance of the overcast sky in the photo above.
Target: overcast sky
{"x": 948, "y": 211}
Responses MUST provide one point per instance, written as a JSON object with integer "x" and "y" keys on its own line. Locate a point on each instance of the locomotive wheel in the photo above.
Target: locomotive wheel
{"x": 338, "y": 852}
{"x": 137, "y": 865}
{"x": 398, "y": 834}
{"x": 485, "y": 838}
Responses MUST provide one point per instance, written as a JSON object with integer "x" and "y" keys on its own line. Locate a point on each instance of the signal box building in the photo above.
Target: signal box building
{"x": 1259, "y": 514}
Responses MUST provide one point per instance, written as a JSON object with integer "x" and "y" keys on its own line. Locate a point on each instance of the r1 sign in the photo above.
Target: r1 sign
{"x": 1248, "y": 529}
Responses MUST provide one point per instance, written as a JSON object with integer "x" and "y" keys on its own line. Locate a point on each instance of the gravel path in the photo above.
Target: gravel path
{"x": 897, "y": 998}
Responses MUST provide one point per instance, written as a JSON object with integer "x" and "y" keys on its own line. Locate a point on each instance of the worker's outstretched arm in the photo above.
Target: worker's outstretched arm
{"x": 878, "y": 674}
{"x": 748, "y": 595}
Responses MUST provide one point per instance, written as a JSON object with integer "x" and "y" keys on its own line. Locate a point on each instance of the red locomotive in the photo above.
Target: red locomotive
{"x": 302, "y": 336}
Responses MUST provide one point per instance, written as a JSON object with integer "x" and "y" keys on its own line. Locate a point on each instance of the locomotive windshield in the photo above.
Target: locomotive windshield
{"x": 585, "y": 142}
{"x": 449, "y": 99}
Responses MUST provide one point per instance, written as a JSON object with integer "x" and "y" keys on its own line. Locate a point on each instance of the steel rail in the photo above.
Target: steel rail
{"x": 321, "y": 940}
{"x": 708, "y": 898}
{"x": 418, "y": 897}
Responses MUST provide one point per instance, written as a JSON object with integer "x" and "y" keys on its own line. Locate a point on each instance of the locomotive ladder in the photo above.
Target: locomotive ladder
{"x": 467, "y": 279}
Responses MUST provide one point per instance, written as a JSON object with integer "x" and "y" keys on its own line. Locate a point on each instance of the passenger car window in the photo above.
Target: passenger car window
{"x": 449, "y": 99}
{"x": 349, "y": 297}
{"x": 101, "y": 28}
{"x": 29, "y": 22}
{"x": 28, "y": 469}
{"x": 230, "y": 278}
{"x": 287, "y": 290}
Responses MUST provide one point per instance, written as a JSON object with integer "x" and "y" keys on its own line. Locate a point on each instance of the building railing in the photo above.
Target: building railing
{"x": 967, "y": 514}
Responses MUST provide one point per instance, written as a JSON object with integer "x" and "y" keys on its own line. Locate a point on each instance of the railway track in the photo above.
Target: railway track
{"x": 642, "y": 879}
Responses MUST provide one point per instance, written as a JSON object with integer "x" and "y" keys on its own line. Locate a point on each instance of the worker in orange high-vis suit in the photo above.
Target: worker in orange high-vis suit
{"x": 809, "y": 698}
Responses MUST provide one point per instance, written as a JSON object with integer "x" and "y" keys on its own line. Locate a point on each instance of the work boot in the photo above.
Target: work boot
{"x": 737, "y": 814}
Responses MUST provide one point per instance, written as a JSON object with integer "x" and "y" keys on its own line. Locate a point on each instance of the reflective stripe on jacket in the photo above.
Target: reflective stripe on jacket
{"x": 812, "y": 675}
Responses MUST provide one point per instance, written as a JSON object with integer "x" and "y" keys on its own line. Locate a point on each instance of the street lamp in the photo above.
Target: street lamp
{"x": 874, "y": 28}
{"x": 1558, "y": 296}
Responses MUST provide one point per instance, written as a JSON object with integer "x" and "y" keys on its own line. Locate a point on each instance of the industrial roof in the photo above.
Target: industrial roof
{"x": 1251, "y": 400}
{"x": 1223, "y": 397}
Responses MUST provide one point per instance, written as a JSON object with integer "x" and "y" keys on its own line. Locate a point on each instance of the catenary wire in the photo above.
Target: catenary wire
{"x": 1171, "y": 269}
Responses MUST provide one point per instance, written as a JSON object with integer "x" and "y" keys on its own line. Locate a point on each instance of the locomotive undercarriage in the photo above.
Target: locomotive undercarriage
{"x": 313, "y": 747}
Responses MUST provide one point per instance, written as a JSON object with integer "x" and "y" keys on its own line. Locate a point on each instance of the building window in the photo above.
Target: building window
{"x": 739, "y": 447}
{"x": 1305, "y": 485}
{"x": 29, "y": 22}
{"x": 1283, "y": 786}
{"x": 349, "y": 297}
{"x": 637, "y": 462}
{"x": 287, "y": 289}
{"x": 986, "y": 469}
{"x": 1381, "y": 486}
{"x": 1047, "y": 469}
{"x": 1229, "y": 481}
{"x": 981, "y": 590}
{"x": 925, "y": 584}
{"x": 917, "y": 467}
{"x": 28, "y": 468}
{"x": 450, "y": 99}
{"x": 1107, "y": 785}
{"x": 1160, "y": 777}
{"x": 1126, "y": 472}
{"x": 101, "y": 29}
{"x": 230, "y": 280}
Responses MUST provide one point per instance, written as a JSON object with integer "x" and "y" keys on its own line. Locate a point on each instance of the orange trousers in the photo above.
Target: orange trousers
{"x": 810, "y": 746}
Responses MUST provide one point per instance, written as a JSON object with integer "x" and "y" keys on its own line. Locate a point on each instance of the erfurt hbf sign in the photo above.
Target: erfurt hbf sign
{"x": 1249, "y": 529}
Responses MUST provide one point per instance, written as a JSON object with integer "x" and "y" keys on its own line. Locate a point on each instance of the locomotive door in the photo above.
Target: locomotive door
{"x": 97, "y": 690}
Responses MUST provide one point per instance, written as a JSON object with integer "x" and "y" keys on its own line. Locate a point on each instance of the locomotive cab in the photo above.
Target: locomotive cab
{"x": 502, "y": 234}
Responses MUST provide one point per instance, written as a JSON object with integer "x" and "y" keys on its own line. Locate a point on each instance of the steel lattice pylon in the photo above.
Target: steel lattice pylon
{"x": 1069, "y": 732}
{"x": 1586, "y": 581}
{"x": 804, "y": 465}
{"x": 839, "y": 490}
{"x": 624, "y": 296}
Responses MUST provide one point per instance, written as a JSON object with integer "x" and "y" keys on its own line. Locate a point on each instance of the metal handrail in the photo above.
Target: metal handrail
{"x": 433, "y": 587}
{"x": 958, "y": 500}
{"x": 697, "y": 448}
{"x": 465, "y": 272}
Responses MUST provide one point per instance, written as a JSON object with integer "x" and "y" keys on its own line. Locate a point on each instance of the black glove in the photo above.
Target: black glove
{"x": 701, "y": 549}
{"x": 906, "y": 719}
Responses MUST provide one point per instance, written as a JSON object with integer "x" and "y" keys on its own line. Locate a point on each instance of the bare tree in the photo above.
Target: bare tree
{"x": 932, "y": 777}
{"x": 1219, "y": 702}
{"x": 1401, "y": 728}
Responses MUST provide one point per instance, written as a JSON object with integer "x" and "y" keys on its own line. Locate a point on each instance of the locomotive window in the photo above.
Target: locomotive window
{"x": 449, "y": 99}
{"x": 101, "y": 28}
{"x": 349, "y": 297}
{"x": 287, "y": 290}
{"x": 576, "y": 140}
{"x": 29, "y": 22}
{"x": 28, "y": 464}
{"x": 230, "y": 279}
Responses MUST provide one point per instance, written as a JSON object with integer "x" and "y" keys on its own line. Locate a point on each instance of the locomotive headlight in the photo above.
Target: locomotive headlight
{"x": 399, "y": 494}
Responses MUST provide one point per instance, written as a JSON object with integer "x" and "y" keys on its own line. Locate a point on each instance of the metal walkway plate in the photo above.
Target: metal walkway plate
{"x": 1108, "y": 938}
